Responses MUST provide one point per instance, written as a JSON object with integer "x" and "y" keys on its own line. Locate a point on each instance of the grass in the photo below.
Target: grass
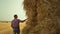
{"x": 5, "y": 28}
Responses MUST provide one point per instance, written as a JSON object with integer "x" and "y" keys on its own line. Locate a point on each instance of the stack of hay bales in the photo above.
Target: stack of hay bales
{"x": 42, "y": 16}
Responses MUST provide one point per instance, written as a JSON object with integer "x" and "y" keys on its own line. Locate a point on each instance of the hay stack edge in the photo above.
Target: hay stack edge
{"x": 43, "y": 17}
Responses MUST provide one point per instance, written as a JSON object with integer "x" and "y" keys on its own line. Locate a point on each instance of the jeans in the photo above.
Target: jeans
{"x": 16, "y": 30}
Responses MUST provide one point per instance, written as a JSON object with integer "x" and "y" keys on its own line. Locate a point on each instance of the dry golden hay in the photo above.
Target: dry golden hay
{"x": 30, "y": 10}
{"x": 42, "y": 16}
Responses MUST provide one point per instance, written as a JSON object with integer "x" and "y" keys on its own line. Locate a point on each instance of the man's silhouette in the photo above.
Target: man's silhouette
{"x": 15, "y": 24}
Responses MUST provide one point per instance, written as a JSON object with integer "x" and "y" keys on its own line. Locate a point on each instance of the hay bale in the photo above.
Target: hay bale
{"x": 42, "y": 16}
{"x": 30, "y": 7}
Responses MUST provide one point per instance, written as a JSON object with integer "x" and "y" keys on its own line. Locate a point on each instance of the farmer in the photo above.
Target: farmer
{"x": 15, "y": 24}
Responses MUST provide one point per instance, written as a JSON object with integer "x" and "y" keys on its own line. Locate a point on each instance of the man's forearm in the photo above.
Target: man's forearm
{"x": 24, "y": 20}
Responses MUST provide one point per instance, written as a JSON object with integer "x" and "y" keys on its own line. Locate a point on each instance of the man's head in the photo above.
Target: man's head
{"x": 15, "y": 16}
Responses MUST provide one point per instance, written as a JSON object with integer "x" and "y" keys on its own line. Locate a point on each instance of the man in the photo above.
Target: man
{"x": 15, "y": 24}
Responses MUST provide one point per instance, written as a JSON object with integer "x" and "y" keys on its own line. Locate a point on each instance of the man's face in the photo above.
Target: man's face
{"x": 15, "y": 17}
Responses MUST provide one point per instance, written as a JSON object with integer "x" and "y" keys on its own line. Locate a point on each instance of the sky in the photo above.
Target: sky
{"x": 10, "y": 7}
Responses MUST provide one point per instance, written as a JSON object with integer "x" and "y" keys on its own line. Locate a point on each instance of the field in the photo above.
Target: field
{"x": 5, "y": 28}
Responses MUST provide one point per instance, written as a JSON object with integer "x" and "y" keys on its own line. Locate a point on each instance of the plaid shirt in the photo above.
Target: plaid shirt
{"x": 15, "y": 23}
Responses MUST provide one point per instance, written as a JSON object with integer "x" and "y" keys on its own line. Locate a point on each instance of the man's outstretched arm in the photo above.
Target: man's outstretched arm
{"x": 23, "y": 20}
